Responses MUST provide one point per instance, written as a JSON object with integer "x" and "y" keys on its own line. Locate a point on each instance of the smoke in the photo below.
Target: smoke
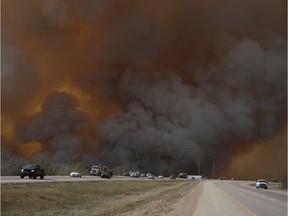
{"x": 143, "y": 84}
{"x": 166, "y": 120}
{"x": 56, "y": 127}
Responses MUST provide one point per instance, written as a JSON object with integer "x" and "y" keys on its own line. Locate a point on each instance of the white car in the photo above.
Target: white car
{"x": 75, "y": 174}
{"x": 151, "y": 176}
{"x": 261, "y": 183}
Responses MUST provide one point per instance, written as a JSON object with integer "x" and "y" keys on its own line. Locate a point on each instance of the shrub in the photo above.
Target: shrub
{"x": 167, "y": 171}
{"x": 45, "y": 161}
{"x": 65, "y": 169}
{"x": 11, "y": 164}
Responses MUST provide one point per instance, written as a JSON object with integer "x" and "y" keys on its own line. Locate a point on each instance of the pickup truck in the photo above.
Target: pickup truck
{"x": 261, "y": 183}
{"x": 32, "y": 170}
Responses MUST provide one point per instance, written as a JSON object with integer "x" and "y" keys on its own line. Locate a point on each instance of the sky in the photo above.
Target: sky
{"x": 147, "y": 84}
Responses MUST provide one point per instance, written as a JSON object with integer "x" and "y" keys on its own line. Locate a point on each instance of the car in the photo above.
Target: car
{"x": 151, "y": 177}
{"x": 160, "y": 176}
{"x": 191, "y": 177}
{"x": 126, "y": 174}
{"x": 182, "y": 175}
{"x": 135, "y": 174}
{"x": 105, "y": 175}
{"x": 75, "y": 174}
{"x": 173, "y": 177}
{"x": 261, "y": 183}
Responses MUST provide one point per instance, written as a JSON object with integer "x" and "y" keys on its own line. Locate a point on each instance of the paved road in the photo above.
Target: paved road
{"x": 17, "y": 179}
{"x": 238, "y": 198}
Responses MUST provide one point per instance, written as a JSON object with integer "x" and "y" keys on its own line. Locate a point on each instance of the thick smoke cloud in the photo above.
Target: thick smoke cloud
{"x": 166, "y": 119}
{"x": 56, "y": 127}
{"x": 143, "y": 84}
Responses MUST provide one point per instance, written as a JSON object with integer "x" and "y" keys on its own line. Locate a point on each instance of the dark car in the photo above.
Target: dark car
{"x": 126, "y": 174}
{"x": 32, "y": 170}
{"x": 173, "y": 177}
{"x": 105, "y": 175}
{"x": 182, "y": 175}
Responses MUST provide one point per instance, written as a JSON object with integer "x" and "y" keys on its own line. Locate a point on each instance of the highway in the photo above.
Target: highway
{"x": 17, "y": 179}
{"x": 237, "y": 198}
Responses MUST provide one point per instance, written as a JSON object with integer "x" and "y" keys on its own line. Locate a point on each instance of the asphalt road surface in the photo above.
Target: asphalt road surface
{"x": 17, "y": 179}
{"x": 238, "y": 198}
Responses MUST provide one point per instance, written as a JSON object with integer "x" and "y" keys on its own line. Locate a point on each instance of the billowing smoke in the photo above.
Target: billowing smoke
{"x": 56, "y": 126}
{"x": 143, "y": 84}
{"x": 166, "y": 120}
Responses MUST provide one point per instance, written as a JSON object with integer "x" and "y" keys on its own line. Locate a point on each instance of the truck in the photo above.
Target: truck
{"x": 261, "y": 183}
{"x": 98, "y": 170}
{"x": 33, "y": 171}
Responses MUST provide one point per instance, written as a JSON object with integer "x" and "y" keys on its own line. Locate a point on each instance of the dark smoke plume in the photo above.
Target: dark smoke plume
{"x": 145, "y": 84}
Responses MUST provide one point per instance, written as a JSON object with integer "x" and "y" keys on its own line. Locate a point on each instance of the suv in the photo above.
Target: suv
{"x": 32, "y": 170}
{"x": 261, "y": 183}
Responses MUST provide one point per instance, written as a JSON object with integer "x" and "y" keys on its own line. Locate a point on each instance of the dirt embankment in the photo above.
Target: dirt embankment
{"x": 180, "y": 203}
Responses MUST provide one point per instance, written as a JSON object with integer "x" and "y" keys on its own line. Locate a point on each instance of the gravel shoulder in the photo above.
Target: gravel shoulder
{"x": 181, "y": 202}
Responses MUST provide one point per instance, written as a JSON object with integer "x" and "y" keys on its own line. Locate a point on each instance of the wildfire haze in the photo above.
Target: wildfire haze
{"x": 145, "y": 84}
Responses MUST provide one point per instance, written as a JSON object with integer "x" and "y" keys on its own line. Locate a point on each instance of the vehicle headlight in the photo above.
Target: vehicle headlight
{"x": 22, "y": 170}
{"x": 32, "y": 170}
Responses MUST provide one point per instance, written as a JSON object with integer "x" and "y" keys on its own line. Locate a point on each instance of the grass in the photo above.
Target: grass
{"x": 78, "y": 198}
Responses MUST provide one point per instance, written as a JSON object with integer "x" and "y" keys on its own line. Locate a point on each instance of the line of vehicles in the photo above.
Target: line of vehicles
{"x": 35, "y": 170}
{"x": 138, "y": 174}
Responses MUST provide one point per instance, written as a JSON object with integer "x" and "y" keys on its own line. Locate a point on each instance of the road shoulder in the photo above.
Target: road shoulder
{"x": 187, "y": 204}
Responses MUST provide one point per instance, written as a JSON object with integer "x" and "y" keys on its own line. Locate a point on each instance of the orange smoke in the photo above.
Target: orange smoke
{"x": 267, "y": 160}
{"x": 29, "y": 149}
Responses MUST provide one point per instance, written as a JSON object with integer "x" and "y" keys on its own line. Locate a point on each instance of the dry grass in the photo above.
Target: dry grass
{"x": 276, "y": 186}
{"x": 89, "y": 198}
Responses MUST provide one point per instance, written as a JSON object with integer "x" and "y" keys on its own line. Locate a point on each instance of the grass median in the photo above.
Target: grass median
{"x": 86, "y": 198}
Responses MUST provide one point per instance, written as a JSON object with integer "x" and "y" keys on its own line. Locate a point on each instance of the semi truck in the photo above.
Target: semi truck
{"x": 100, "y": 170}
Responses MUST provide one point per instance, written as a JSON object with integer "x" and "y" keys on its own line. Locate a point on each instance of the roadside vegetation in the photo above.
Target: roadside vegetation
{"x": 11, "y": 165}
{"x": 277, "y": 186}
{"x": 89, "y": 198}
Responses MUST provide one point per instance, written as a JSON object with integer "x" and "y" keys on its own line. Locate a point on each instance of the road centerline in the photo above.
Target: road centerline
{"x": 240, "y": 204}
